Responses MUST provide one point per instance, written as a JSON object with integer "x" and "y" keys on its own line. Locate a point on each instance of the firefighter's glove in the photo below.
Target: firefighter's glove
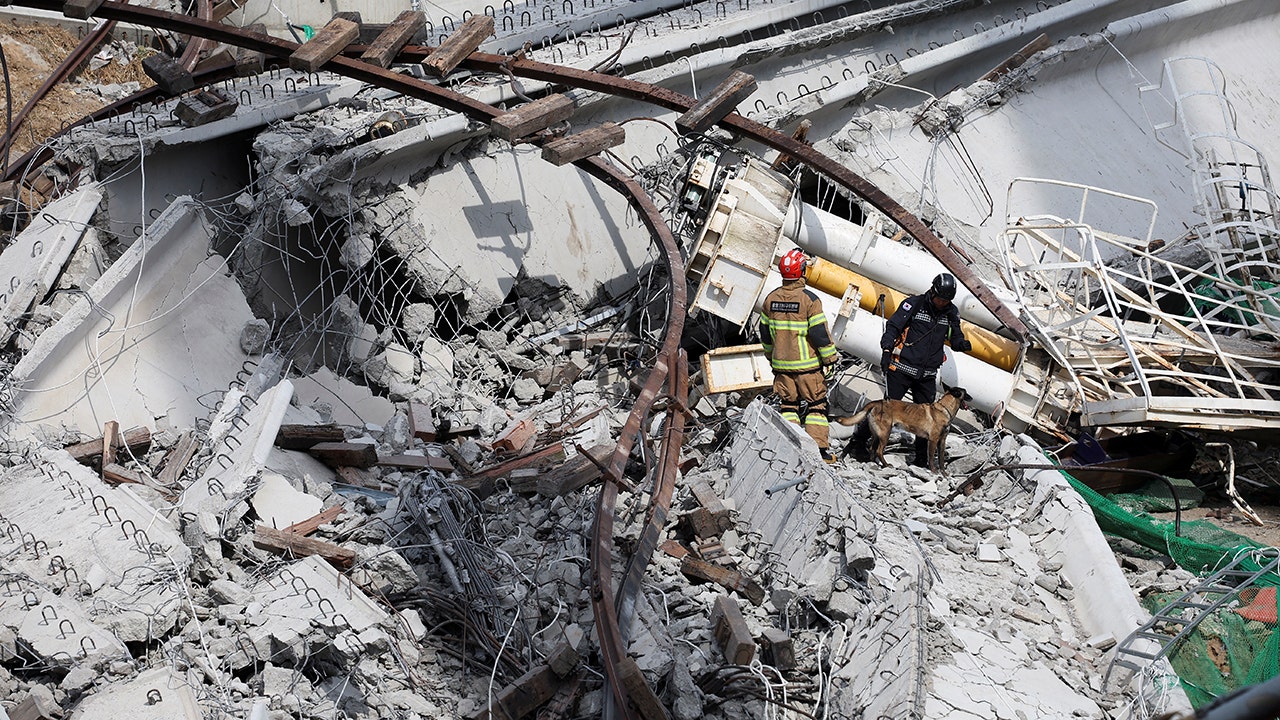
{"x": 885, "y": 359}
{"x": 962, "y": 346}
{"x": 829, "y": 371}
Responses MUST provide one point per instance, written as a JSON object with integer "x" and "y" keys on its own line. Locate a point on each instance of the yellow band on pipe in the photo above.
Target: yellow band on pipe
{"x": 832, "y": 279}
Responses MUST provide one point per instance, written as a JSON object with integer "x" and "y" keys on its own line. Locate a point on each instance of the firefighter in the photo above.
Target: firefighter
{"x": 794, "y": 331}
{"x": 912, "y": 347}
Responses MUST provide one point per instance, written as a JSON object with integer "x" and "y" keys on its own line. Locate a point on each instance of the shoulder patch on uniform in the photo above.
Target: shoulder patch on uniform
{"x": 906, "y": 305}
{"x": 780, "y": 306}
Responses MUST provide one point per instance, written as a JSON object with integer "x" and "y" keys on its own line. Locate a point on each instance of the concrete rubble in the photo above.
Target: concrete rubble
{"x": 303, "y": 420}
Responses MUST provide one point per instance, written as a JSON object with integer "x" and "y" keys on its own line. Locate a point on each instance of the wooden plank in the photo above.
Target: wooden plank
{"x": 34, "y": 708}
{"x": 578, "y": 472}
{"x": 708, "y": 499}
{"x": 313, "y": 523}
{"x": 352, "y": 16}
{"x": 394, "y": 38}
{"x": 720, "y": 102}
{"x": 724, "y": 577}
{"x": 179, "y": 457}
{"x": 784, "y": 163}
{"x": 421, "y": 422}
{"x": 523, "y": 696}
{"x": 502, "y": 468}
{"x": 361, "y": 477}
{"x": 110, "y": 441}
{"x": 417, "y": 462}
{"x": 81, "y": 9}
{"x": 778, "y": 649}
{"x": 638, "y": 692}
{"x": 673, "y": 548}
{"x": 572, "y": 148}
{"x": 515, "y": 437}
{"x": 344, "y": 454}
{"x": 136, "y": 439}
{"x": 250, "y": 62}
{"x": 533, "y": 117}
{"x": 1024, "y": 53}
{"x": 119, "y": 475}
{"x": 731, "y": 632}
{"x": 459, "y": 45}
{"x": 305, "y": 437}
{"x": 290, "y": 544}
{"x": 325, "y": 45}
{"x": 223, "y": 9}
{"x": 168, "y": 74}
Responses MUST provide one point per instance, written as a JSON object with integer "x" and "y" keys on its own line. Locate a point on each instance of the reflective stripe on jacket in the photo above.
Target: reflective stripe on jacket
{"x": 794, "y": 330}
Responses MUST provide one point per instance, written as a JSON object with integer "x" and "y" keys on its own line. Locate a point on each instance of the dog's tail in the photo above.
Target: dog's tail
{"x": 856, "y": 417}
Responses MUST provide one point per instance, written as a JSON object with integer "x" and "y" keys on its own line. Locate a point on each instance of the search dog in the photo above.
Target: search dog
{"x": 928, "y": 420}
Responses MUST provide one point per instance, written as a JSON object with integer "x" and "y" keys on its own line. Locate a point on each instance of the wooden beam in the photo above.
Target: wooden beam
{"x": 731, "y": 631}
{"x": 223, "y": 9}
{"x": 421, "y": 422}
{"x": 110, "y": 441}
{"x": 250, "y": 62}
{"x": 176, "y": 462}
{"x": 168, "y": 74}
{"x": 523, "y": 696}
{"x": 578, "y": 472}
{"x": 313, "y": 523}
{"x": 136, "y": 439}
{"x": 305, "y": 437}
{"x": 459, "y": 45}
{"x": 572, "y": 148}
{"x": 80, "y": 9}
{"x": 417, "y": 462}
{"x": 515, "y": 437}
{"x": 290, "y": 544}
{"x": 325, "y": 45}
{"x": 722, "y": 576}
{"x": 393, "y": 39}
{"x": 720, "y": 102}
{"x": 784, "y": 163}
{"x": 119, "y": 475}
{"x": 344, "y": 454}
{"x": 532, "y": 117}
{"x": 1024, "y": 53}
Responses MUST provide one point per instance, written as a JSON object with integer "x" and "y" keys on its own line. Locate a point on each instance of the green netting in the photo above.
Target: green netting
{"x": 1234, "y": 647}
{"x": 1243, "y": 314}
{"x": 1155, "y": 497}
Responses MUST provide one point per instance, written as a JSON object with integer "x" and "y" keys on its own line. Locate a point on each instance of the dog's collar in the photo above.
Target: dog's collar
{"x": 951, "y": 415}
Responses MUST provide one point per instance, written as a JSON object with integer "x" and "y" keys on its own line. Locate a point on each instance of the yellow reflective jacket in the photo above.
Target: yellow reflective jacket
{"x": 794, "y": 330}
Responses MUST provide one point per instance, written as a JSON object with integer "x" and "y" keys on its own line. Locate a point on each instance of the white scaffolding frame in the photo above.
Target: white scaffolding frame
{"x": 1144, "y": 340}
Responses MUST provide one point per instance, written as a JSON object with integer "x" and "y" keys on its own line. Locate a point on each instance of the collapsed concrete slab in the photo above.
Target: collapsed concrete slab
{"x": 131, "y": 350}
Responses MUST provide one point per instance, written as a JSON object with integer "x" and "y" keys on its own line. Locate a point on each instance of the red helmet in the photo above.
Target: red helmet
{"x": 792, "y": 265}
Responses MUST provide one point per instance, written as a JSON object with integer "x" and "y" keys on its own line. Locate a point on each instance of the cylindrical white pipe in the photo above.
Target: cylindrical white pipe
{"x": 908, "y": 269}
{"x": 859, "y": 335}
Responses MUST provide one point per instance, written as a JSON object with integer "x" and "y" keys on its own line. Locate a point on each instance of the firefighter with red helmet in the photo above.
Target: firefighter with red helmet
{"x": 794, "y": 331}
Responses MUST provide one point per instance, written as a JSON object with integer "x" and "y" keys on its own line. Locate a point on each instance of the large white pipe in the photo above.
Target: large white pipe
{"x": 859, "y": 335}
{"x": 908, "y": 269}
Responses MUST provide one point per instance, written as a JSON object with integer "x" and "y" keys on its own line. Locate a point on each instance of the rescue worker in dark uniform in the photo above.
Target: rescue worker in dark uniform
{"x": 794, "y": 331}
{"x": 912, "y": 345}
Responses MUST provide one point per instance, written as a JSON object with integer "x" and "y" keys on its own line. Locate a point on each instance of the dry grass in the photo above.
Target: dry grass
{"x": 33, "y": 50}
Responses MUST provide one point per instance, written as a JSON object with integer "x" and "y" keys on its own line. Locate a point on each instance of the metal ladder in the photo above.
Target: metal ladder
{"x": 1178, "y": 619}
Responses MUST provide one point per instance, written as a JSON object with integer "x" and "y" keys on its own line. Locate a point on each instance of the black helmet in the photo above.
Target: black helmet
{"x": 944, "y": 286}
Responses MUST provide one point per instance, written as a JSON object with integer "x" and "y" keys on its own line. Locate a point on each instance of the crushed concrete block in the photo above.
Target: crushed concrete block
{"x": 988, "y": 552}
{"x": 254, "y": 336}
{"x": 388, "y": 571}
{"x": 412, "y": 621}
{"x": 356, "y": 252}
{"x": 1048, "y": 581}
{"x": 158, "y": 694}
{"x": 226, "y": 592}
{"x": 279, "y": 505}
{"x": 1103, "y": 641}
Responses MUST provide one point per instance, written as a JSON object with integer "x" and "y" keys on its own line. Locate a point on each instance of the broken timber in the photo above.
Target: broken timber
{"x": 394, "y": 38}
{"x": 344, "y": 454}
{"x": 81, "y": 9}
{"x": 714, "y": 107}
{"x": 417, "y": 462}
{"x": 176, "y": 462}
{"x": 523, "y": 696}
{"x": 250, "y": 62}
{"x": 326, "y": 44}
{"x": 136, "y": 440}
{"x": 169, "y": 76}
{"x": 291, "y": 544}
{"x": 305, "y": 437}
{"x": 532, "y": 117}
{"x": 573, "y": 148}
{"x": 731, "y": 632}
{"x": 459, "y": 45}
{"x": 584, "y": 468}
{"x": 722, "y": 576}
{"x": 1040, "y": 43}
{"x": 110, "y": 439}
{"x": 313, "y": 523}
